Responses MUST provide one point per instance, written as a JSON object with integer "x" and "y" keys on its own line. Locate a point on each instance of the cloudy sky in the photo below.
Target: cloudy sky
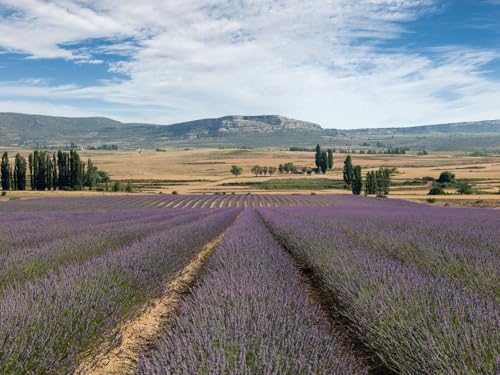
{"x": 340, "y": 63}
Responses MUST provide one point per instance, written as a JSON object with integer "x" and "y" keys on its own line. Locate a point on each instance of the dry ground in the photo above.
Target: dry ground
{"x": 205, "y": 170}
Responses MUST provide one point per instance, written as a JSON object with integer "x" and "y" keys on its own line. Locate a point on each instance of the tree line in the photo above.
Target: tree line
{"x": 46, "y": 171}
{"x": 258, "y": 170}
{"x": 323, "y": 159}
{"x": 375, "y": 182}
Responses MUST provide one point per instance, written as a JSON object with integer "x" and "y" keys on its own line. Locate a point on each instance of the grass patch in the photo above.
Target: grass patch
{"x": 292, "y": 184}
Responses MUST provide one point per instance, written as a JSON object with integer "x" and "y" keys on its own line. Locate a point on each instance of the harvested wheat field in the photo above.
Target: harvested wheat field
{"x": 207, "y": 171}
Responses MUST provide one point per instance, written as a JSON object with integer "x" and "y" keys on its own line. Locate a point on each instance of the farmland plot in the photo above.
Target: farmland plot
{"x": 251, "y": 314}
{"x": 51, "y": 319}
{"x": 419, "y": 287}
{"x": 297, "y": 285}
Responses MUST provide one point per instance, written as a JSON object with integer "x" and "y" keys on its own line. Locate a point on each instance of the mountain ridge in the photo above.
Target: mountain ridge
{"x": 19, "y": 129}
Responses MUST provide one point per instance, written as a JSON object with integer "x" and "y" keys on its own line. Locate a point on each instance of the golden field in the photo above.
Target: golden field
{"x": 203, "y": 171}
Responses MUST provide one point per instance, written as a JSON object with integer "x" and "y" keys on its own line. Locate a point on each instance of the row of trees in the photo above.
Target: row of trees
{"x": 376, "y": 182}
{"x": 323, "y": 159}
{"x": 64, "y": 171}
{"x": 13, "y": 178}
{"x": 257, "y": 170}
{"x": 287, "y": 168}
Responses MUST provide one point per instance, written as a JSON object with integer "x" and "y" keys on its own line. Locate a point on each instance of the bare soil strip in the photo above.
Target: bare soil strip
{"x": 137, "y": 334}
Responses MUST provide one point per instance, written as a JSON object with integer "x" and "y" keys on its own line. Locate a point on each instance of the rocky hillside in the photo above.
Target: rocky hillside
{"x": 18, "y": 129}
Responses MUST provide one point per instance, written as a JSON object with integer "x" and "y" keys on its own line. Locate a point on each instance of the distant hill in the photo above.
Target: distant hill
{"x": 475, "y": 127}
{"x": 18, "y": 129}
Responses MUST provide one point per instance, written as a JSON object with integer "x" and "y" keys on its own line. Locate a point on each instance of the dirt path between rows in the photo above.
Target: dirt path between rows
{"x": 137, "y": 334}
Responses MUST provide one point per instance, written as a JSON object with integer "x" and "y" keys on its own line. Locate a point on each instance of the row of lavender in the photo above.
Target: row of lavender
{"x": 419, "y": 286}
{"x": 166, "y": 201}
{"x": 251, "y": 314}
{"x": 33, "y": 245}
{"x": 69, "y": 278}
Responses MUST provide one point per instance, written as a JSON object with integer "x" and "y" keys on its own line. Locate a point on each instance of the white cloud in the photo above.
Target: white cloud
{"x": 316, "y": 60}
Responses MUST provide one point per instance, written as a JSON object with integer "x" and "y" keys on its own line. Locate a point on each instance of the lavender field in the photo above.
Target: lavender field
{"x": 295, "y": 284}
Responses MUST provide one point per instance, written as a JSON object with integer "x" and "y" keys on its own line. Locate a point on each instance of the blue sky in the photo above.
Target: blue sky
{"x": 340, "y": 63}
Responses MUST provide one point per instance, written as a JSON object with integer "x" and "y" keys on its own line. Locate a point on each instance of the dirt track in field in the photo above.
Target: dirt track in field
{"x": 136, "y": 335}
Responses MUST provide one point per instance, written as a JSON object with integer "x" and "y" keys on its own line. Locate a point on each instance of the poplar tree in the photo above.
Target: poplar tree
{"x": 370, "y": 183}
{"x": 48, "y": 172}
{"x": 5, "y": 172}
{"x": 30, "y": 162}
{"x": 91, "y": 176}
{"x": 323, "y": 162}
{"x": 317, "y": 157}
{"x": 55, "y": 179}
{"x": 348, "y": 171}
{"x": 386, "y": 177}
{"x": 330, "y": 159}
{"x": 357, "y": 182}
{"x": 20, "y": 173}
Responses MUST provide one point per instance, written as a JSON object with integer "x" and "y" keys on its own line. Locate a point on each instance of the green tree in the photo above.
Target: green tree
{"x": 281, "y": 169}
{"x": 62, "y": 169}
{"x": 323, "y": 165}
{"x": 49, "y": 171}
{"x": 129, "y": 188}
{"x": 289, "y": 167}
{"x": 76, "y": 171}
{"x": 465, "y": 188}
{"x": 446, "y": 177}
{"x": 386, "y": 173}
{"x": 5, "y": 172}
{"x": 256, "y": 170}
{"x": 436, "y": 190}
{"x": 41, "y": 170}
{"x": 19, "y": 173}
{"x": 348, "y": 171}
{"x": 382, "y": 182}
{"x": 271, "y": 170}
{"x": 235, "y": 170}
{"x": 55, "y": 179}
{"x": 116, "y": 187}
{"x": 357, "y": 182}
{"x": 330, "y": 159}
{"x": 370, "y": 183}
{"x": 379, "y": 183}
{"x": 102, "y": 177}
{"x": 317, "y": 157}
{"x": 30, "y": 164}
{"x": 91, "y": 175}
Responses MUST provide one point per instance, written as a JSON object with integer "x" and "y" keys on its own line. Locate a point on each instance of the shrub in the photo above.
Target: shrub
{"x": 116, "y": 187}
{"x": 4, "y": 193}
{"x": 437, "y": 190}
{"x": 175, "y": 192}
{"x": 446, "y": 177}
{"x": 235, "y": 170}
{"x": 465, "y": 188}
{"x": 431, "y": 200}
